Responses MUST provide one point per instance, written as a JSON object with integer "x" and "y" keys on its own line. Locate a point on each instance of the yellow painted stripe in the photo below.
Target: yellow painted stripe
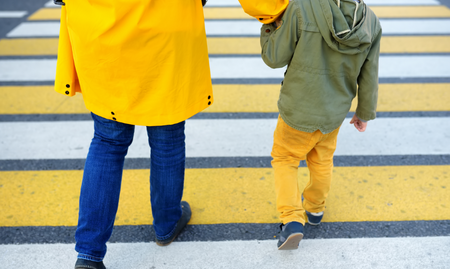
{"x": 237, "y": 45}
{"x": 389, "y": 44}
{"x": 228, "y": 98}
{"x": 411, "y": 12}
{"x": 46, "y": 14}
{"x": 38, "y": 100}
{"x": 34, "y": 46}
{"x": 225, "y": 13}
{"x": 234, "y": 195}
{"x": 414, "y": 44}
{"x": 391, "y": 98}
{"x": 238, "y": 13}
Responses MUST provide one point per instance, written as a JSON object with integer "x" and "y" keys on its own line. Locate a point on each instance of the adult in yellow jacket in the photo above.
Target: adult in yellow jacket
{"x": 135, "y": 63}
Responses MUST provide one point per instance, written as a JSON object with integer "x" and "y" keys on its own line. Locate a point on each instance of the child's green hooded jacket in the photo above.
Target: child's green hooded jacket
{"x": 332, "y": 53}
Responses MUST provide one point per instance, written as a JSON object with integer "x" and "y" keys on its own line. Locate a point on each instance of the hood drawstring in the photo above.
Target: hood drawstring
{"x": 354, "y": 15}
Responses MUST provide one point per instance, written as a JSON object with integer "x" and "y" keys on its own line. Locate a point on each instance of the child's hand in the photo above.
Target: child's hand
{"x": 278, "y": 20}
{"x": 359, "y": 125}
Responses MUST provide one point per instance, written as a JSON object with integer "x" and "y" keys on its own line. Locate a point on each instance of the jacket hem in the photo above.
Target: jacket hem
{"x": 310, "y": 129}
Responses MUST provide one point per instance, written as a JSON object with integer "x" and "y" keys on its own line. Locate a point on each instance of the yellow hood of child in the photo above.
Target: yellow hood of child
{"x": 265, "y": 11}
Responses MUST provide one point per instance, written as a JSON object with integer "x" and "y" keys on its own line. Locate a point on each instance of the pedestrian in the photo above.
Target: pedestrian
{"x": 331, "y": 49}
{"x": 135, "y": 63}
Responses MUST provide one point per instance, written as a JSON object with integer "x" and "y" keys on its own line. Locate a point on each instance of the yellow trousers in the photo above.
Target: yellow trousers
{"x": 290, "y": 146}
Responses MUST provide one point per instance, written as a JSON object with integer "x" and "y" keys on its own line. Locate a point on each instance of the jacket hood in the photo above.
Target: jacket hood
{"x": 265, "y": 11}
{"x": 346, "y": 24}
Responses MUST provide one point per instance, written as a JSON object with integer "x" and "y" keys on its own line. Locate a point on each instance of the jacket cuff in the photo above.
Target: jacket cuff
{"x": 363, "y": 116}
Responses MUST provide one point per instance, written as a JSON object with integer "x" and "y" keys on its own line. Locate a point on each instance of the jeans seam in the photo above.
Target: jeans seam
{"x": 89, "y": 257}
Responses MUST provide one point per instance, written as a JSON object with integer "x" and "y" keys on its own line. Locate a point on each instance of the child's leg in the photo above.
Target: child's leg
{"x": 289, "y": 147}
{"x": 320, "y": 164}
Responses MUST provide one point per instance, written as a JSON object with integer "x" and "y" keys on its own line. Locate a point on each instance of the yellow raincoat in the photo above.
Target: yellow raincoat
{"x": 141, "y": 62}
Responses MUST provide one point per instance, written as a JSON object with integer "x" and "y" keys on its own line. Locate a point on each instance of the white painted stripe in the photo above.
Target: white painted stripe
{"x": 422, "y": 66}
{"x": 35, "y": 29}
{"x": 362, "y": 253}
{"x": 242, "y": 67}
{"x": 235, "y": 3}
{"x": 27, "y": 70}
{"x": 401, "y": 2}
{"x": 51, "y": 4}
{"x": 222, "y": 3}
{"x": 414, "y": 27}
{"x": 414, "y": 66}
{"x": 252, "y": 28}
{"x": 12, "y": 14}
{"x": 390, "y": 66}
{"x": 227, "y": 138}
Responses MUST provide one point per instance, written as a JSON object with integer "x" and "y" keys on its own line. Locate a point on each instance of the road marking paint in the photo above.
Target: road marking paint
{"x": 46, "y": 14}
{"x": 411, "y": 66}
{"x": 27, "y": 70}
{"x": 252, "y": 28}
{"x": 236, "y": 45}
{"x": 229, "y": 13}
{"x": 411, "y": 11}
{"x": 229, "y": 98}
{"x": 12, "y": 14}
{"x": 234, "y": 195}
{"x": 414, "y": 44}
{"x": 51, "y": 4}
{"x": 390, "y": 27}
{"x": 235, "y": 3}
{"x": 38, "y": 100}
{"x": 401, "y": 252}
{"x": 227, "y": 138}
{"x": 389, "y": 67}
{"x": 28, "y": 46}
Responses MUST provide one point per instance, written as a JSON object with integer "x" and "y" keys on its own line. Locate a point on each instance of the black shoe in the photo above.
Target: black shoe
{"x": 290, "y": 235}
{"x": 85, "y": 264}
{"x": 185, "y": 217}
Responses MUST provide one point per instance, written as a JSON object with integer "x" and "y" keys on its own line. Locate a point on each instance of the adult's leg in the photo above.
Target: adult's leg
{"x": 320, "y": 164}
{"x": 168, "y": 156}
{"x": 100, "y": 190}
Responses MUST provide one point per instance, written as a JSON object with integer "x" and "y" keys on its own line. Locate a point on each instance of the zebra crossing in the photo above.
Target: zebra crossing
{"x": 390, "y": 196}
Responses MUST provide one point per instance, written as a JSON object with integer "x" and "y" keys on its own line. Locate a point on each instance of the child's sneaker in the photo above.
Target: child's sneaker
{"x": 290, "y": 235}
{"x": 314, "y": 218}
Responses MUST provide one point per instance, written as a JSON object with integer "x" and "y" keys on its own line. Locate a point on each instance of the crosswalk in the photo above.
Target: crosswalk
{"x": 390, "y": 186}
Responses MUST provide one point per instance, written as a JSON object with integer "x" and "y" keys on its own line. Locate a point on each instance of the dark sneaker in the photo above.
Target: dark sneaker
{"x": 290, "y": 235}
{"x": 83, "y": 264}
{"x": 185, "y": 217}
{"x": 314, "y": 218}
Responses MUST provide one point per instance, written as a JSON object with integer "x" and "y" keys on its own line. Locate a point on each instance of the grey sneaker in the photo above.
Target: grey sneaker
{"x": 290, "y": 235}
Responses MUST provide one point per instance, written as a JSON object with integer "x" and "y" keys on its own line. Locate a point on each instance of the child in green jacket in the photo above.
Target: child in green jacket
{"x": 331, "y": 49}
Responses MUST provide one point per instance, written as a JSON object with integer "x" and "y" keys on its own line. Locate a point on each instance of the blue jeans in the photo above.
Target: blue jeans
{"x": 102, "y": 179}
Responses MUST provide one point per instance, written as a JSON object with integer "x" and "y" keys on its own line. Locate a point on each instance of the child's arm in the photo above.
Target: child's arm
{"x": 368, "y": 83}
{"x": 278, "y": 44}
